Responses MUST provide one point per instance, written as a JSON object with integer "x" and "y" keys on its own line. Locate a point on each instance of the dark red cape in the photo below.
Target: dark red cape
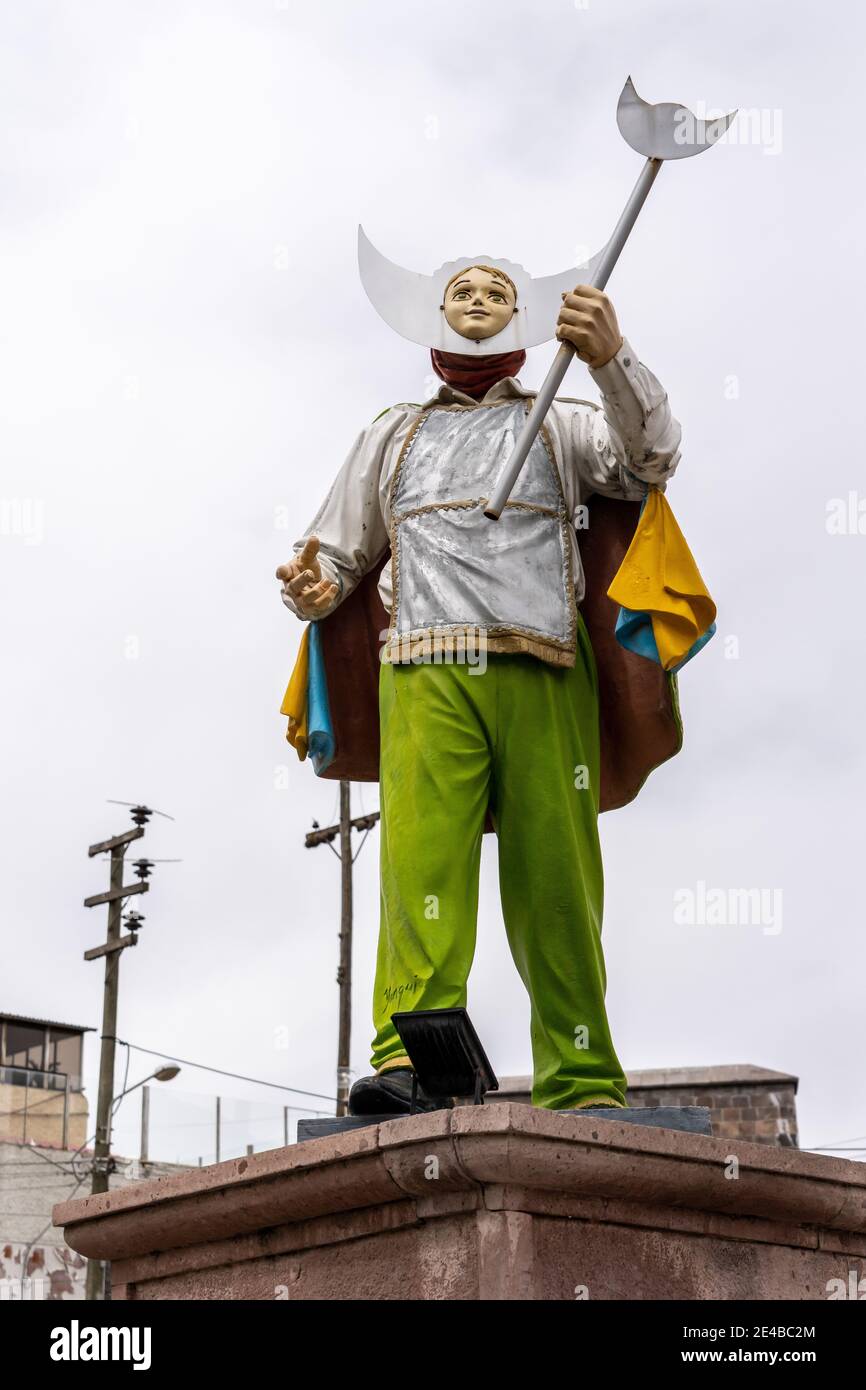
{"x": 639, "y": 710}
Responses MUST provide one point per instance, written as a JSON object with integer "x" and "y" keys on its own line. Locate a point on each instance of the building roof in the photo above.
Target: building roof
{"x": 45, "y": 1023}
{"x": 733, "y": 1074}
{"x": 658, "y": 1078}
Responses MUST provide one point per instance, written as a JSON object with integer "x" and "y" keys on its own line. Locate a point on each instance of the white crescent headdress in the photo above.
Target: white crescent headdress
{"x": 411, "y": 303}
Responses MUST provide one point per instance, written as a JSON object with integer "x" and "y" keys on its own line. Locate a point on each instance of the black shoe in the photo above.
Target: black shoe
{"x": 390, "y": 1093}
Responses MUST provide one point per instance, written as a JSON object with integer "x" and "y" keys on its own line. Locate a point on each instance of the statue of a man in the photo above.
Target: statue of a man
{"x": 488, "y": 687}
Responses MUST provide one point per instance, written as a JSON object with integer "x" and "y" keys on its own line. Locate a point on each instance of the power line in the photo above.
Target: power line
{"x": 17, "y": 1163}
{"x": 834, "y": 1149}
{"x": 852, "y": 1139}
{"x": 23, "y": 1163}
{"x": 67, "y": 1171}
{"x": 235, "y": 1076}
{"x": 13, "y": 1214}
{"x": 25, "y": 1262}
{"x": 28, "y": 1109}
{"x": 53, "y": 1186}
{"x": 115, "y": 1104}
{"x": 46, "y": 1159}
{"x": 244, "y": 1120}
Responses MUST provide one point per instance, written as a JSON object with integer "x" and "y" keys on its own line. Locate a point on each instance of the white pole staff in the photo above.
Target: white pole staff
{"x": 660, "y": 132}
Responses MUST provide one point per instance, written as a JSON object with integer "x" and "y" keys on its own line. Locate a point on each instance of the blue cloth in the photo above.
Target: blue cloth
{"x": 634, "y": 631}
{"x": 320, "y": 732}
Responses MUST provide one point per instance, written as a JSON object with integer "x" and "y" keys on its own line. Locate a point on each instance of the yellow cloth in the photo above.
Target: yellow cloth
{"x": 659, "y": 576}
{"x": 295, "y": 699}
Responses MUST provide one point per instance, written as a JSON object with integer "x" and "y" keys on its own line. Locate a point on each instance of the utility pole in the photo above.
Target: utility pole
{"x": 344, "y": 970}
{"x": 314, "y": 838}
{"x": 114, "y": 943}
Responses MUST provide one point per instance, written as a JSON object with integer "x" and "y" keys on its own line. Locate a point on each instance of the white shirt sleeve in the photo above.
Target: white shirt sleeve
{"x": 634, "y": 440}
{"x": 350, "y": 524}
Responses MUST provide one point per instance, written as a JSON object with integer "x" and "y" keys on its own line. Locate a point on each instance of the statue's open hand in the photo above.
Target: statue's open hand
{"x": 303, "y": 583}
{"x": 587, "y": 320}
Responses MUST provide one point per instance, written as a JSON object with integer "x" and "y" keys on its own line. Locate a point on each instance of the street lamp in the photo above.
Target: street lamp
{"x": 161, "y": 1074}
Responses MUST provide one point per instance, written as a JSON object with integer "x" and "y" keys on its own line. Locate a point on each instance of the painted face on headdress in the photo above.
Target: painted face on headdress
{"x": 479, "y": 302}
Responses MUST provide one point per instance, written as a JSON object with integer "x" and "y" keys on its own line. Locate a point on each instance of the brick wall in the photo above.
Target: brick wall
{"x": 35, "y": 1262}
{"x": 745, "y": 1101}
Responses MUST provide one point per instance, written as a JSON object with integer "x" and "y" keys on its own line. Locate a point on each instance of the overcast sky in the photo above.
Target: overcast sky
{"x": 186, "y": 356}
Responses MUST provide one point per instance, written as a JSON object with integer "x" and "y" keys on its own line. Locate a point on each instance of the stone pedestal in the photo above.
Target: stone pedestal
{"x": 694, "y": 1118}
{"x": 499, "y": 1201}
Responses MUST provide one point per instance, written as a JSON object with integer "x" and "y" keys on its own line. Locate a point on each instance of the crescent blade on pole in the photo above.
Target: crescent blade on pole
{"x": 666, "y": 130}
{"x": 661, "y": 132}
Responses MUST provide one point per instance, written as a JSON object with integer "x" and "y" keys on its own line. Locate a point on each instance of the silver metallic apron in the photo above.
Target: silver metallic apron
{"x": 459, "y": 578}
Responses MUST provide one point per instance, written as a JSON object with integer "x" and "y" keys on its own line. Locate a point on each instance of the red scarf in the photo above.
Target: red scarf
{"x": 475, "y": 375}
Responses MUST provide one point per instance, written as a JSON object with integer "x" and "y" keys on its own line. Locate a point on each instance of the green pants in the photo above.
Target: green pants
{"x": 523, "y": 739}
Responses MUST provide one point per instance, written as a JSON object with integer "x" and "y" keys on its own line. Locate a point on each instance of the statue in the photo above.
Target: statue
{"x": 512, "y": 692}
